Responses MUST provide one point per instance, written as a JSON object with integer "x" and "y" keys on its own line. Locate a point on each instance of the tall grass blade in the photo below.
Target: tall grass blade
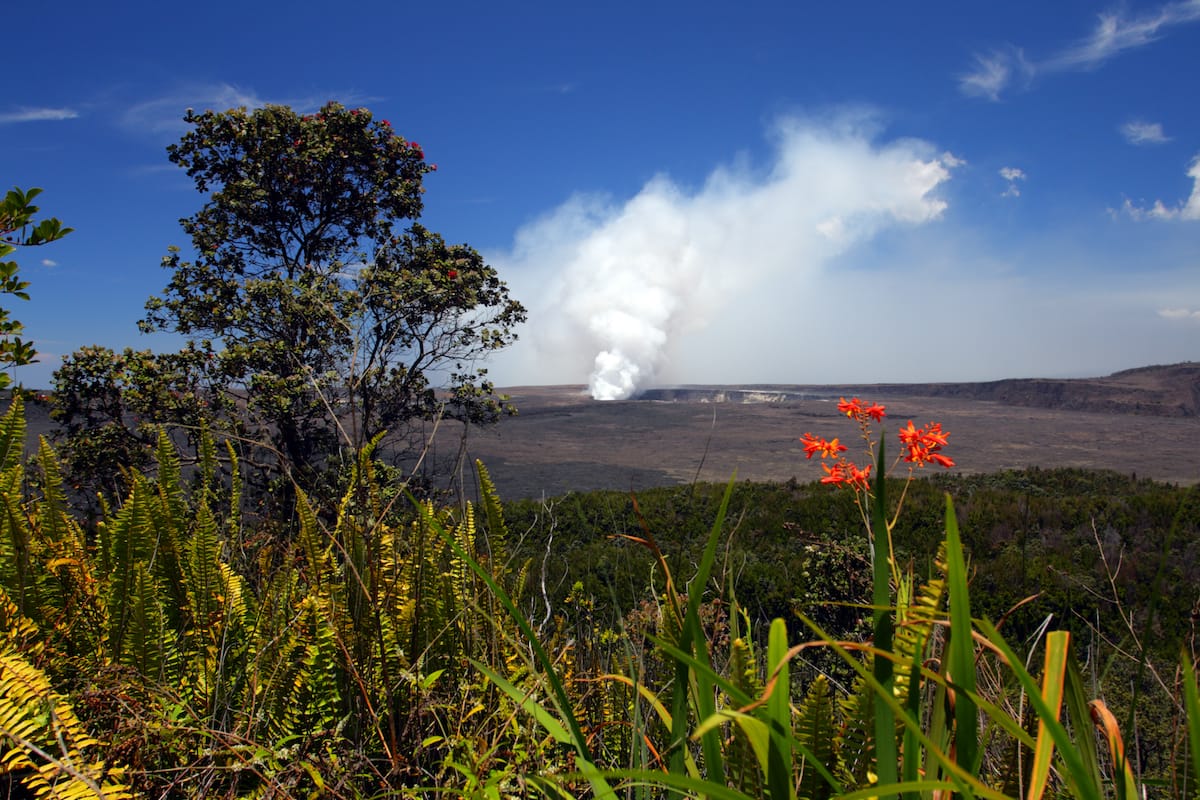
{"x": 1079, "y": 713}
{"x": 1123, "y": 777}
{"x": 1191, "y": 703}
{"x": 883, "y": 670}
{"x": 691, "y": 641}
{"x": 962, "y": 649}
{"x": 779, "y": 714}
{"x": 1054, "y": 675}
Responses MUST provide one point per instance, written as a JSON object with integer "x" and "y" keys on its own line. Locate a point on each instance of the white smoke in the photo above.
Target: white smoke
{"x": 613, "y": 288}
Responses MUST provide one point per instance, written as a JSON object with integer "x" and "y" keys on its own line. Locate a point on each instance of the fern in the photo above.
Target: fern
{"x": 12, "y": 434}
{"x": 202, "y": 575}
{"x": 129, "y": 542}
{"x": 815, "y": 731}
{"x": 170, "y": 516}
{"x": 149, "y": 643}
{"x": 43, "y": 742}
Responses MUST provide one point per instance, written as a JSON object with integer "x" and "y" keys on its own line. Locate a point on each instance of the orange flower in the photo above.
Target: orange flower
{"x": 858, "y": 478}
{"x": 845, "y": 472}
{"x": 853, "y": 408}
{"x": 815, "y": 444}
{"x": 924, "y": 443}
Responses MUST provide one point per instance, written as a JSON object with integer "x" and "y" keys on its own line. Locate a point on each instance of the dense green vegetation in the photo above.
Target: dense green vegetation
{"x": 407, "y": 650}
{"x": 794, "y": 546}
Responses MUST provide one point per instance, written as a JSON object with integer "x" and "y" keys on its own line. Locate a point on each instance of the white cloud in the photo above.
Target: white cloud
{"x": 49, "y": 262}
{"x": 1113, "y": 34}
{"x": 1139, "y": 132}
{"x": 164, "y": 114}
{"x": 1180, "y": 313}
{"x": 37, "y": 115}
{"x": 1011, "y": 175}
{"x": 994, "y": 72}
{"x": 620, "y": 289}
{"x": 1187, "y": 210}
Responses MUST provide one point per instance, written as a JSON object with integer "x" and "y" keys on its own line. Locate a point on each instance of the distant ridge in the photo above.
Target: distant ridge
{"x": 1170, "y": 390}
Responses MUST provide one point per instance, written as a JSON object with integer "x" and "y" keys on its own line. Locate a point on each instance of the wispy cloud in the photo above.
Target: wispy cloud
{"x": 164, "y": 114}
{"x": 1113, "y": 34}
{"x": 1012, "y": 175}
{"x": 49, "y": 262}
{"x": 1180, "y": 314}
{"x": 994, "y": 72}
{"x": 1187, "y": 210}
{"x": 1139, "y": 132}
{"x": 37, "y": 115}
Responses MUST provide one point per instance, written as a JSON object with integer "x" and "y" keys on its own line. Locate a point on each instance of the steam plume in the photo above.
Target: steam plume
{"x": 613, "y": 288}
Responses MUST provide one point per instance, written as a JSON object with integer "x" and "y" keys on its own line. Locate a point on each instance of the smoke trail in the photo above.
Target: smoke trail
{"x": 621, "y": 285}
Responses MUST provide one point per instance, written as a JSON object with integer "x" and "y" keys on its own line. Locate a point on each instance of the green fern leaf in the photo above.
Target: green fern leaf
{"x": 815, "y": 730}
{"x": 12, "y": 434}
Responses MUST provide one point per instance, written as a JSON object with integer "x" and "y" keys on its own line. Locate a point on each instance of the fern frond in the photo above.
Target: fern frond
{"x": 42, "y": 741}
{"x": 12, "y": 434}
{"x": 497, "y": 528}
{"x": 815, "y": 731}
{"x": 149, "y": 643}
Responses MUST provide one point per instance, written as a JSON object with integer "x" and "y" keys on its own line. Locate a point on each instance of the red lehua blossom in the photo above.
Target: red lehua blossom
{"x": 385, "y": 123}
{"x": 452, "y": 274}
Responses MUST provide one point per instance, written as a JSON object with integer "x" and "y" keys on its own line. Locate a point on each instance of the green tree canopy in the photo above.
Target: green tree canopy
{"x": 18, "y": 229}
{"x": 318, "y": 313}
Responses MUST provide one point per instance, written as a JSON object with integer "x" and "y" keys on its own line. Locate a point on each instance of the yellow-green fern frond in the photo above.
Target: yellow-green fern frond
{"x": 42, "y": 742}
{"x": 493, "y": 511}
{"x": 12, "y": 434}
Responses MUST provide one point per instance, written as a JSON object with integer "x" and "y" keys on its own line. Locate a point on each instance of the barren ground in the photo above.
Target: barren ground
{"x": 563, "y": 441}
{"x": 1144, "y": 421}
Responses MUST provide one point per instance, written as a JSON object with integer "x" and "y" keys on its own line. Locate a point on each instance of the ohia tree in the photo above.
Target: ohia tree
{"x": 324, "y": 315}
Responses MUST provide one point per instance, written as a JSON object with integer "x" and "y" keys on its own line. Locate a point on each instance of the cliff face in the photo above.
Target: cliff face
{"x": 1162, "y": 391}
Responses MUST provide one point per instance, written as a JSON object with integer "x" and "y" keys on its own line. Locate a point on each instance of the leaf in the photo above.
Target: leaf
{"x": 962, "y": 650}
{"x": 1053, "y": 678}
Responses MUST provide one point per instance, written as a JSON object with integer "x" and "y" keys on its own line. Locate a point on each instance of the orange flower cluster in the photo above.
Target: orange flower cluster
{"x": 924, "y": 443}
{"x": 853, "y": 408}
{"x": 846, "y": 473}
{"x": 815, "y": 444}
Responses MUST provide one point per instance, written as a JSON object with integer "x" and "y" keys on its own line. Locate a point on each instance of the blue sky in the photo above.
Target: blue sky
{"x": 680, "y": 192}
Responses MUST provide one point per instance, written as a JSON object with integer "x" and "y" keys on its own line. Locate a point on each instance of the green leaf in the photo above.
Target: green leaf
{"x": 962, "y": 649}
